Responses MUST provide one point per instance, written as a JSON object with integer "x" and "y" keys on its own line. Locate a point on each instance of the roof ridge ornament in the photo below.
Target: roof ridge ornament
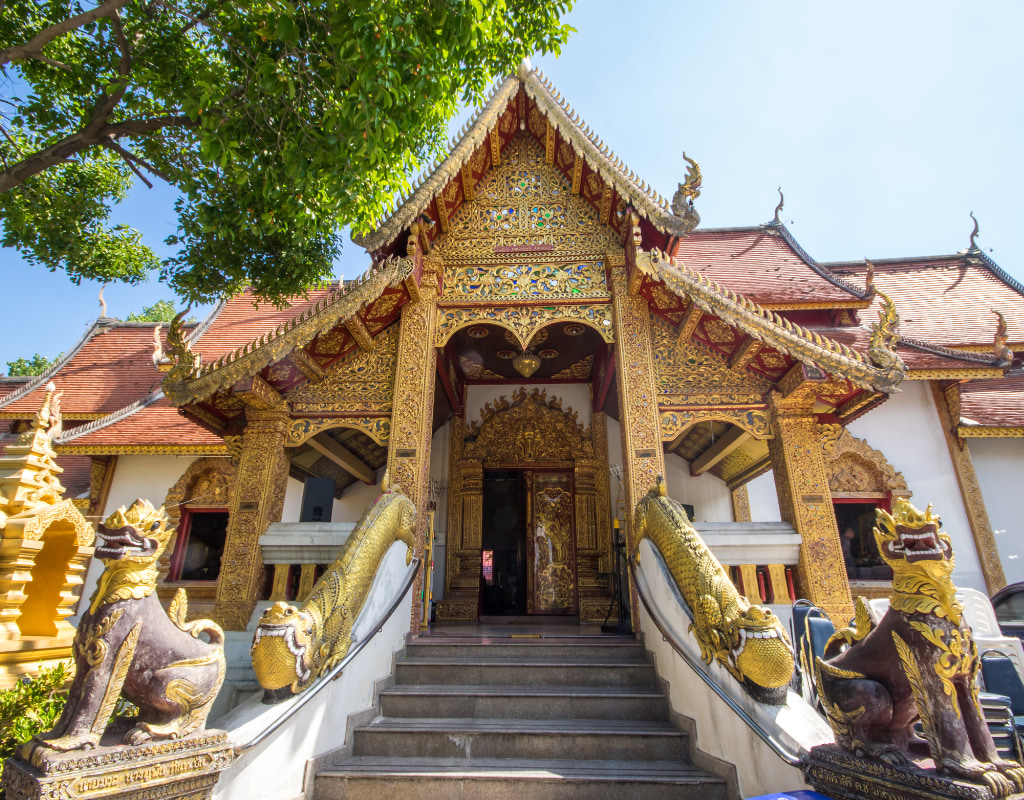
{"x": 999, "y": 348}
{"x": 884, "y": 334}
{"x": 777, "y": 220}
{"x": 974, "y": 235}
{"x": 103, "y": 303}
{"x": 869, "y": 279}
{"x": 688, "y": 191}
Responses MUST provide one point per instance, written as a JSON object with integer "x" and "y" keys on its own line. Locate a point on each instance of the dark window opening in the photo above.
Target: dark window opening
{"x": 200, "y": 546}
{"x": 856, "y": 536}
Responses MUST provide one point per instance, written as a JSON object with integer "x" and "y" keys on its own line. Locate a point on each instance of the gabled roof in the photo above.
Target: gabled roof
{"x": 948, "y": 300}
{"x": 521, "y": 96}
{"x": 150, "y": 425}
{"x": 110, "y": 367}
{"x": 766, "y": 265}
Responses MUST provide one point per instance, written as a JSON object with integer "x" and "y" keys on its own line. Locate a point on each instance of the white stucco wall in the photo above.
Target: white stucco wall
{"x": 292, "y": 501}
{"x": 709, "y": 496}
{"x": 999, "y": 464}
{"x": 573, "y": 395}
{"x": 907, "y": 431}
{"x": 764, "y": 499}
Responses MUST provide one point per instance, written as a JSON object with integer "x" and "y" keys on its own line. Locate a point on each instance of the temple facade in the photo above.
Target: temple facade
{"x": 538, "y": 337}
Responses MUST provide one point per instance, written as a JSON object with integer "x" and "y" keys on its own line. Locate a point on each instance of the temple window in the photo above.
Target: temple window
{"x": 199, "y": 547}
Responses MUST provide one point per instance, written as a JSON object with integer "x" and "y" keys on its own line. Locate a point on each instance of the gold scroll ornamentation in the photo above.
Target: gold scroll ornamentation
{"x": 855, "y": 466}
{"x": 754, "y": 421}
{"x": 300, "y": 430}
{"x": 523, "y": 321}
{"x": 526, "y": 281}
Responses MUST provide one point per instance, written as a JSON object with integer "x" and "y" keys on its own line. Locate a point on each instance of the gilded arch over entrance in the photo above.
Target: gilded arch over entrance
{"x": 524, "y": 321}
{"x": 530, "y": 432}
{"x": 854, "y": 467}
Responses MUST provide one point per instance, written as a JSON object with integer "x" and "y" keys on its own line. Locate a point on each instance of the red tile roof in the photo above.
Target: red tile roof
{"x": 998, "y": 402}
{"x": 765, "y": 267}
{"x": 152, "y": 422}
{"x": 946, "y": 300}
{"x": 240, "y": 320}
{"x": 916, "y": 355}
{"x": 110, "y": 367}
{"x": 77, "y": 475}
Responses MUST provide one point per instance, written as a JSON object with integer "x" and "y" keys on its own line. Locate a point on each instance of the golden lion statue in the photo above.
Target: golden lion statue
{"x": 918, "y": 662}
{"x": 749, "y": 641}
{"x": 126, "y": 644}
{"x": 293, "y": 646}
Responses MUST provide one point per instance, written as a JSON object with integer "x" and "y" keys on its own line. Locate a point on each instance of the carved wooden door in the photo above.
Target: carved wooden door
{"x": 552, "y": 545}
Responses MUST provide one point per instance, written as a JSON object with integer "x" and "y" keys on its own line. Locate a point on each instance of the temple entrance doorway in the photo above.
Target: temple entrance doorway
{"x": 528, "y": 553}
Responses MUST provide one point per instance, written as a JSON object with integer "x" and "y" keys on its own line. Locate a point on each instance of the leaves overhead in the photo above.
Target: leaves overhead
{"x": 36, "y": 365}
{"x": 278, "y": 122}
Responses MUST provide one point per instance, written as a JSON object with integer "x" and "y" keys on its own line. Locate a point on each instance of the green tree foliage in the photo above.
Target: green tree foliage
{"x": 36, "y": 365}
{"x": 160, "y": 311}
{"x": 31, "y": 706}
{"x": 279, "y": 122}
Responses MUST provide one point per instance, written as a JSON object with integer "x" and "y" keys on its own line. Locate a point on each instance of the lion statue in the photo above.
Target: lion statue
{"x": 127, "y": 645}
{"x": 293, "y": 646}
{"x": 918, "y": 662}
{"x": 748, "y": 640}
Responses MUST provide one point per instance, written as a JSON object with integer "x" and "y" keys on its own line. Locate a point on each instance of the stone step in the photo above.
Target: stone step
{"x": 624, "y": 740}
{"x": 525, "y": 702}
{"x": 495, "y": 672}
{"x": 536, "y": 650}
{"x": 366, "y": 778}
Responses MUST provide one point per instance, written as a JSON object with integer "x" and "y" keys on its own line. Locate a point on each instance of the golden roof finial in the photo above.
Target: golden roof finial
{"x": 185, "y": 362}
{"x": 1002, "y": 352}
{"x": 689, "y": 190}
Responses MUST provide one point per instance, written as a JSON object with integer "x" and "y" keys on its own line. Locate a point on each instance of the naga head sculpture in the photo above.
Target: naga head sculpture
{"x": 282, "y": 654}
{"x": 920, "y": 555}
{"x": 138, "y": 534}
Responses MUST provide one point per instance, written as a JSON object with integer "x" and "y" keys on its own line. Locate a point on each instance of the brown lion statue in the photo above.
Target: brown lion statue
{"x": 919, "y": 662}
{"x": 127, "y": 646}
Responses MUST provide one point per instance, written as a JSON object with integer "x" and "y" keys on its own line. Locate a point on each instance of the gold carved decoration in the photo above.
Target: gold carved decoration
{"x": 477, "y": 372}
{"x": 524, "y": 203}
{"x": 970, "y": 490}
{"x": 687, "y": 374}
{"x": 190, "y": 381}
{"x": 854, "y": 466}
{"x": 362, "y": 383}
{"x": 525, "y": 282}
{"x": 300, "y": 430}
{"x": 553, "y": 573}
{"x": 754, "y": 421}
{"x": 766, "y": 326}
{"x": 523, "y": 321}
{"x": 579, "y": 371}
{"x": 532, "y": 428}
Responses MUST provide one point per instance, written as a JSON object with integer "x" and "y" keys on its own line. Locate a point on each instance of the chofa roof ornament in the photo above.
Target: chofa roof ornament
{"x": 688, "y": 191}
{"x": 884, "y": 334}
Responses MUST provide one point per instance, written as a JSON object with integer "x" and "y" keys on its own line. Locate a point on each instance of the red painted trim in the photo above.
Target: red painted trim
{"x": 609, "y": 376}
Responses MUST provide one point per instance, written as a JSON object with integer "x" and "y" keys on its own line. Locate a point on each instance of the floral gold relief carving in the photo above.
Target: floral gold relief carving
{"x": 580, "y": 370}
{"x": 854, "y": 466}
{"x": 523, "y": 322}
{"x": 377, "y": 428}
{"x": 531, "y": 428}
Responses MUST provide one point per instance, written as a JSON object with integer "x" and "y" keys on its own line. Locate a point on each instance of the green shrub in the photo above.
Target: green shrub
{"x": 32, "y": 706}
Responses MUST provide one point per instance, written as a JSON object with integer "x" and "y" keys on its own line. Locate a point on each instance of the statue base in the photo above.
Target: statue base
{"x": 166, "y": 769}
{"x": 843, "y": 776}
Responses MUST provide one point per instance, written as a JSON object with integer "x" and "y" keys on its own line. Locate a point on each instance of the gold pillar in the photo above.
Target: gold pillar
{"x": 642, "y": 456}
{"x": 412, "y": 414}
{"x": 740, "y": 504}
{"x": 258, "y": 501}
{"x": 948, "y": 403}
{"x": 801, "y": 480}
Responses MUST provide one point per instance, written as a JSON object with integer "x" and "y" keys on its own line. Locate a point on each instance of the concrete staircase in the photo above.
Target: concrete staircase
{"x": 531, "y": 719}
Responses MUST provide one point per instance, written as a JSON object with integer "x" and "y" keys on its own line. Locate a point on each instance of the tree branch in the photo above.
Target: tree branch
{"x": 131, "y": 166}
{"x": 82, "y": 140}
{"x": 130, "y": 157}
{"x": 33, "y": 48}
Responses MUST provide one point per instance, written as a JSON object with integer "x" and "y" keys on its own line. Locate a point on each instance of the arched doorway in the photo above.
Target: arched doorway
{"x": 528, "y": 513}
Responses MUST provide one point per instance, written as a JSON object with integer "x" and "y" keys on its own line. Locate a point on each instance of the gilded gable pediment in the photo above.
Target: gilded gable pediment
{"x": 363, "y": 382}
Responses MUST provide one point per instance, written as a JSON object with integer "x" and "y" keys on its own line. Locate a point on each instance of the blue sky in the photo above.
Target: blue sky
{"x": 885, "y": 123}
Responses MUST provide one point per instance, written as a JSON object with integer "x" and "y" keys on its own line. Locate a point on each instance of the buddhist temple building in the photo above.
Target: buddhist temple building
{"x": 537, "y": 337}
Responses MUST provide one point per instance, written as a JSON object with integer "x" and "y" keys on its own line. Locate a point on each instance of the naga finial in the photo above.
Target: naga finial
{"x": 185, "y": 362}
{"x": 869, "y": 278}
{"x": 689, "y": 190}
{"x": 1002, "y": 352}
{"x": 778, "y": 209}
{"x": 884, "y": 333}
{"x": 974, "y": 234}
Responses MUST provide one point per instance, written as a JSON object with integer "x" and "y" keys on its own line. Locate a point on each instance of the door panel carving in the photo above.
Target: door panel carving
{"x": 552, "y": 550}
